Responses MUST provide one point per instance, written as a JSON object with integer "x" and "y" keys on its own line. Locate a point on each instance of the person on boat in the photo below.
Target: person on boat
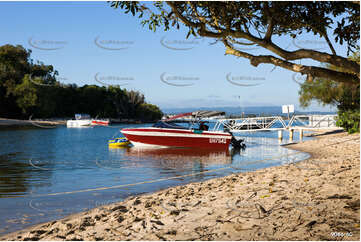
{"x": 203, "y": 126}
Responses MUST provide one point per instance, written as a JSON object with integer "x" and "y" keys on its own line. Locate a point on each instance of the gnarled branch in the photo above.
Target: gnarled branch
{"x": 266, "y": 43}
{"x": 310, "y": 71}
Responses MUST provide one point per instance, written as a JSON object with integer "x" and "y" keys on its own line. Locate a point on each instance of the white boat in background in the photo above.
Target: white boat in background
{"x": 81, "y": 120}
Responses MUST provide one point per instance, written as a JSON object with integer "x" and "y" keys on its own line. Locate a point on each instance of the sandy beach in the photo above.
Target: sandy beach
{"x": 316, "y": 199}
{"x": 38, "y": 123}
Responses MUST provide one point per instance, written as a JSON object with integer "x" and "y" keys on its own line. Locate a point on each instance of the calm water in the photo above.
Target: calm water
{"x": 46, "y": 174}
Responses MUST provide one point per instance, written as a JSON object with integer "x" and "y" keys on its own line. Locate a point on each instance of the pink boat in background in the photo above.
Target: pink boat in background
{"x": 166, "y": 133}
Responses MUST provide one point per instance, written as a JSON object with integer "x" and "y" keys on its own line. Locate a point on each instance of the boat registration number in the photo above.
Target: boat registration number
{"x": 217, "y": 140}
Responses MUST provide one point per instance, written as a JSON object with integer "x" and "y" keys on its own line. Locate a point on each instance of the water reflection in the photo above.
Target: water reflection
{"x": 176, "y": 158}
{"x": 165, "y": 162}
{"x": 13, "y": 176}
{"x": 19, "y": 178}
{"x": 18, "y": 145}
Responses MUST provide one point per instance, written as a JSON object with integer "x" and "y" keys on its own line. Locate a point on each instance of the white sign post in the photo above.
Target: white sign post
{"x": 288, "y": 109}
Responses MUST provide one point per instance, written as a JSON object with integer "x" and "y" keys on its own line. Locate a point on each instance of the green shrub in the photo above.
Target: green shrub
{"x": 349, "y": 120}
{"x": 148, "y": 112}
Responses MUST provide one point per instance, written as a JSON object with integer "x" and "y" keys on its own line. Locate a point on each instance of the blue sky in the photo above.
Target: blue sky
{"x": 91, "y": 41}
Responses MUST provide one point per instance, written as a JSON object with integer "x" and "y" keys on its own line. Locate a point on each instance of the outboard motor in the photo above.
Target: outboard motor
{"x": 237, "y": 144}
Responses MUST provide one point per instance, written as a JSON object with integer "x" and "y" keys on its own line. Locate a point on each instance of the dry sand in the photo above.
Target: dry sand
{"x": 316, "y": 199}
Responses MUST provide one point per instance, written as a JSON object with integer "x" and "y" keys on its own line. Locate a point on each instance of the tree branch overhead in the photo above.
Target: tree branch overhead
{"x": 258, "y": 22}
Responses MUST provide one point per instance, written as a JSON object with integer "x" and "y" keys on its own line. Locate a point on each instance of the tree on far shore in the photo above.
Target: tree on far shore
{"x": 30, "y": 89}
{"x": 18, "y": 94}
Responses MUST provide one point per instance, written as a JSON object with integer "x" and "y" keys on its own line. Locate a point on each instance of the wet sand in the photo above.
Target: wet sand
{"x": 316, "y": 199}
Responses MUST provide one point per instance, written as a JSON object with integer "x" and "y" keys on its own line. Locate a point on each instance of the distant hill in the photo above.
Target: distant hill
{"x": 260, "y": 110}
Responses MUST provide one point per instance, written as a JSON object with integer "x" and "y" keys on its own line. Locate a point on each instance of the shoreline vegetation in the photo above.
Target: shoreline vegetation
{"x": 29, "y": 88}
{"x": 315, "y": 199}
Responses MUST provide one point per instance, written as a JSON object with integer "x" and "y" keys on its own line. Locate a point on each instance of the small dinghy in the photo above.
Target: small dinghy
{"x": 118, "y": 142}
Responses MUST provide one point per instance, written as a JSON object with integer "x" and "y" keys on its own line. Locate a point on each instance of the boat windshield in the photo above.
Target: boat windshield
{"x": 162, "y": 124}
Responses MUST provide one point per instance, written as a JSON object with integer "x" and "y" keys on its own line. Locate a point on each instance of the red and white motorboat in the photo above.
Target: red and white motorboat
{"x": 167, "y": 134}
{"x": 100, "y": 122}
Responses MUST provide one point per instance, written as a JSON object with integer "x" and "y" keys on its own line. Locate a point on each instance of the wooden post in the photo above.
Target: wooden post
{"x": 280, "y": 134}
{"x": 291, "y": 134}
{"x": 301, "y": 134}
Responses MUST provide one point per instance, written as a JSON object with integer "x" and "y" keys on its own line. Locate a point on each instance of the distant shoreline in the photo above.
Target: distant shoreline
{"x": 4, "y": 122}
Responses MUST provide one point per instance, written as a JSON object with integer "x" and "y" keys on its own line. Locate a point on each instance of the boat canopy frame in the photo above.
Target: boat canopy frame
{"x": 198, "y": 115}
{"x": 196, "y": 118}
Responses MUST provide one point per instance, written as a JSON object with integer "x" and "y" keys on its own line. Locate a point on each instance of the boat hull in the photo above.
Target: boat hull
{"x": 78, "y": 123}
{"x": 177, "y": 138}
{"x": 100, "y": 122}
